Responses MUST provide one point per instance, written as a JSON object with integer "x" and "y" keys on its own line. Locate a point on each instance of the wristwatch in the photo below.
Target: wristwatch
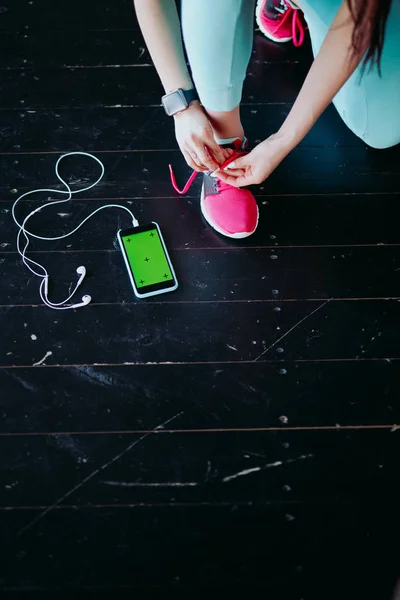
{"x": 178, "y": 100}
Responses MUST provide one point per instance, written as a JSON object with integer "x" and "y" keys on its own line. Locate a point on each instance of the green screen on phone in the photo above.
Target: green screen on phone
{"x": 147, "y": 258}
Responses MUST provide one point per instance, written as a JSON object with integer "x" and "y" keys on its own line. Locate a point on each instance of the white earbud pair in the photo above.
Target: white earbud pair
{"x": 44, "y": 292}
{"x": 30, "y": 263}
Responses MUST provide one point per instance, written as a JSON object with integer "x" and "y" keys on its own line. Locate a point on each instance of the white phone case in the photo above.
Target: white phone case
{"x": 128, "y": 268}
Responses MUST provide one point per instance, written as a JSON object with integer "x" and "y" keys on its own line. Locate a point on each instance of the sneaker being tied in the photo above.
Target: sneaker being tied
{"x": 279, "y": 21}
{"x": 231, "y": 211}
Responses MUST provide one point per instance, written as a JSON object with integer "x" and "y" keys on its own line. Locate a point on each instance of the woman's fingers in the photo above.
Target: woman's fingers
{"x": 190, "y": 161}
{"x": 204, "y": 157}
{"x": 235, "y": 181}
{"x": 216, "y": 151}
{"x": 197, "y": 161}
{"x": 234, "y": 172}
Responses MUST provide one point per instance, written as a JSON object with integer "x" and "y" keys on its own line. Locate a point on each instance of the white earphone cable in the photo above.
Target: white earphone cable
{"x": 43, "y": 288}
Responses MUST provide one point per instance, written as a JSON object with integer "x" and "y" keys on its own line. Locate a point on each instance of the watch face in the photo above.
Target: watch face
{"x": 174, "y": 102}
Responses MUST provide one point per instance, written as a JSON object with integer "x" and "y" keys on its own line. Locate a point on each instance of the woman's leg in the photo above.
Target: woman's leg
{"x": 369, "y": 106}
{"x": 218, "y": 36}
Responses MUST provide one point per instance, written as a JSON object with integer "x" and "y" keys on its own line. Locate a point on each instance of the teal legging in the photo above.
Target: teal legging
{"x": 218, "y": 36}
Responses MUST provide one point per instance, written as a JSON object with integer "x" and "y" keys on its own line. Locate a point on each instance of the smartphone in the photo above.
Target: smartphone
{"x": 146, "y": 258}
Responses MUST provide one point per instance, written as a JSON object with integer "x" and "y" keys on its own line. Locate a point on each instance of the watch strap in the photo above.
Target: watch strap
{"x": 190, "y": 95}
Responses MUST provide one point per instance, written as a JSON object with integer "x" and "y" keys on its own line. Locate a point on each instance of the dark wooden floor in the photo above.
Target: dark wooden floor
{"x": 240, "y": 434}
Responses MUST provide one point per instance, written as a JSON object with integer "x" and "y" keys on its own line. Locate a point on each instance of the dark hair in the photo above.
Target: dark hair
{"x": 370, "y": 17}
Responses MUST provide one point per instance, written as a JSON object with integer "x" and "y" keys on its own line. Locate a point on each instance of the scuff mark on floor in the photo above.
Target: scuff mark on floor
{"x": 151, "y": 484}
{"x": 232, "y": 347}
{"x": 292, "y": 329}
{"x": 41, "y": 361}
{"x": 277, "y": 463}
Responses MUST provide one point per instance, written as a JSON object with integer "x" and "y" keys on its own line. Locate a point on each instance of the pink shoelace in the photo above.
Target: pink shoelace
{"x": 297, "y": 28}
{"x": 297, "y": 23}
{"x": 222, "y": 185}
{"x": 187, "y": 185}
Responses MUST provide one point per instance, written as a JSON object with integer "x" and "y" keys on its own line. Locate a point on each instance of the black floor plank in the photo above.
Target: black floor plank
{"x": 335, "y": 220}
{"x": 231, "y": 275}
{"x": 30, "y": 48}
{"x": 197, "y": 468}
{"x": 44, "y": 15}
{"x": 143, "y": 128}
{"x": 282, "y": 550}
{"x": 58, "y": 88}
{"x": 195, "y": 332}
{"x": 308, "y": 394}
{"x": 56, "y": 49}
{"x": 147, "y": 174}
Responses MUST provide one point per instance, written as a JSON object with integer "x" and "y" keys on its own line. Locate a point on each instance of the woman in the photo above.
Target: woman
{"x": 356, "y": 45}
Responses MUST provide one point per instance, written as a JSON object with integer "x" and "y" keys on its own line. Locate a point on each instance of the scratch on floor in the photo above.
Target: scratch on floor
{"x": 278, "y": 463}
{"x": 98, "y": 377}
{"x": 94, "y": 473}
{"x": 152, "y": 484}
{"x": 232, "y": 348}
{"x": 208, "y": 472}
{"x": 41, "y": 361}
{"x": 292, "y": 328}
{"x": 25, "y": 384}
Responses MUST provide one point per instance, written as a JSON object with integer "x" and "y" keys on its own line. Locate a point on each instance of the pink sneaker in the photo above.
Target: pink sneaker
{"x": 280, "y": 22}
{"x": 229, "y": 210}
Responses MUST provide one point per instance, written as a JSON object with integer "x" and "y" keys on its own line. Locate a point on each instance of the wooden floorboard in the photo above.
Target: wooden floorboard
{"x": 325, "y": 220}
{"x": 23, "y": 16}
{"x": 139, "y": 86}
{"x": 220, "y": 397}
{"x": 130, "y": 173}
{"x": 239, "y": 435}
{"x": 208, "y": 275}
{"x": 33, "y": 48}
{"x": 205, "y": 548}
{"x": 219, "y": 332}
{"x": 142, "y": 128}
{"x": 193, "y": 469}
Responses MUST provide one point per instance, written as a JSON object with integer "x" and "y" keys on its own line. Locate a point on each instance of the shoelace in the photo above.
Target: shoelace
{"x": 297, "y": 28}
{"x": 222, "y": 185}
{"x": 297, "y": 24}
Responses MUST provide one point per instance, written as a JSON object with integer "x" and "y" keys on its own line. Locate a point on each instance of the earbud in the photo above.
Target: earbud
{"x": 59, "y": 306}
{"x": 85, "y": 300}
{"x": 81, "y": 272}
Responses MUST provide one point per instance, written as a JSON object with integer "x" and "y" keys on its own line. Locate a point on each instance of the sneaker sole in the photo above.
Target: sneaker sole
{"x": 207, "y": 217}
{"x": 264, "y": 31}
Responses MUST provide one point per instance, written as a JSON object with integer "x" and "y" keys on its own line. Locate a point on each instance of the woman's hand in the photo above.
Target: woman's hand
{"x": 195, "y": 137}
{"x": 256, "y": 166}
